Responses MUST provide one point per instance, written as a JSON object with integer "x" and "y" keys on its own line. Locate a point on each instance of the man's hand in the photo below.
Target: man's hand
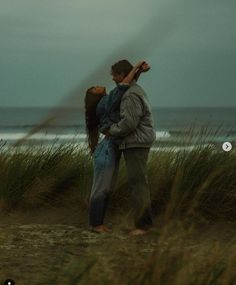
{"x": 106, "y": 133}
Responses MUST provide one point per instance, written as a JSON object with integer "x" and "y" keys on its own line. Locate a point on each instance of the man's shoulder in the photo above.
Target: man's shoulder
{"x": 135, "y": 89}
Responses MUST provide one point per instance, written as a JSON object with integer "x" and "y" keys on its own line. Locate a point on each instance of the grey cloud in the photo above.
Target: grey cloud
{"x": 59, "y": 42}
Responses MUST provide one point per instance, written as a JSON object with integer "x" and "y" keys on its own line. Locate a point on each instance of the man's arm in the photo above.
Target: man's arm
{"x": 131, "y": 110}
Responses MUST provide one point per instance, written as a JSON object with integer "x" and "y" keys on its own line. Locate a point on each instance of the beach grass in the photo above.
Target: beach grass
{"x": 193, "y": 197}
{"x": 201, "y": 181}
{"x": 33, "y": 178}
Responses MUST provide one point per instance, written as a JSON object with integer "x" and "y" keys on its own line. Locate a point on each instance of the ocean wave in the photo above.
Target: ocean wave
{"x": 53, "y": 136}
{"x": 41, "y": 136}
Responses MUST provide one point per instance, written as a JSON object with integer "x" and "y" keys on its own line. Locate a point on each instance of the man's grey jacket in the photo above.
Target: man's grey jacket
{"x": 136, "y": 126}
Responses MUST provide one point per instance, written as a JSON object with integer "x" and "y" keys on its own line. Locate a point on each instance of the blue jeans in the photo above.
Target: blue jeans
{"x": 106, "y": 166}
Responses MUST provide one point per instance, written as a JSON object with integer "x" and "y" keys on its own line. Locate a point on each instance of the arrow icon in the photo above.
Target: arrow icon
{"x": 227, "y": 146}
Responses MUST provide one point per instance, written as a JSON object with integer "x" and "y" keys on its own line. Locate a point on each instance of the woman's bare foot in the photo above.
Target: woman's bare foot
{"x": 101, "y": 229}
{"x": 138, "y": 232}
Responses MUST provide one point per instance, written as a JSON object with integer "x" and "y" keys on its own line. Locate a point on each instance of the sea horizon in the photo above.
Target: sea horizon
{"x": 172, "y": 124}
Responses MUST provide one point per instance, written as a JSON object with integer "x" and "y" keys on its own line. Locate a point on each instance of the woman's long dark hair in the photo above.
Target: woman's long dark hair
{"x": 91, "y": 120}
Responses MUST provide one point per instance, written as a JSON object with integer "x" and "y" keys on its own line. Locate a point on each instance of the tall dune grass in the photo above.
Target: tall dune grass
{"x": 201, "y": 181}
{"x": 183, "y": 183}
{"x": 37, "y": 177}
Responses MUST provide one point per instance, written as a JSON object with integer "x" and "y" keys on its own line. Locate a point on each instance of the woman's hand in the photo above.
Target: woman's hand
{"x": 142, "y": 66}
{"x": 145, "y": 67}
{"x": 139, "y": 64}
{"x": 138, "y": 68}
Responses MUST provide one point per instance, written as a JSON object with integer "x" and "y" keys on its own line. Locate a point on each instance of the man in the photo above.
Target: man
{"x": 137, "y": 133}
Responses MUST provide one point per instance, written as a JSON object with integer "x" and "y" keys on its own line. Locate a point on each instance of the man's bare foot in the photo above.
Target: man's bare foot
{"x": 107, "y": 229}
{"x": 138, "y": 232}
{"x": 101, "y": 229}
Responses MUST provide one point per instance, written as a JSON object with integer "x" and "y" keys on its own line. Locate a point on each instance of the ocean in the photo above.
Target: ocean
{"x": 174, "y": 126}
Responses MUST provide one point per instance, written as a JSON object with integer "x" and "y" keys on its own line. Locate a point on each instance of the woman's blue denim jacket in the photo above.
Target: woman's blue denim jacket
{"x": 108, "y": 108}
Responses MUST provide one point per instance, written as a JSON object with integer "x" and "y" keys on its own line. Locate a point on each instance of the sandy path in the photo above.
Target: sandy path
{"x": 35, "y": 249}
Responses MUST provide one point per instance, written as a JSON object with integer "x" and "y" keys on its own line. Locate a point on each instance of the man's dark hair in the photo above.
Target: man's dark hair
{"x": 122, "y": 66}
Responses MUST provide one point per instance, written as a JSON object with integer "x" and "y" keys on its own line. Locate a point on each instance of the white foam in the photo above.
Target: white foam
{"x": 162, "y": 134}
{"x": 52, "y": 136}
{"x": 181, "y": 148}
{"x": 41, "y": 136}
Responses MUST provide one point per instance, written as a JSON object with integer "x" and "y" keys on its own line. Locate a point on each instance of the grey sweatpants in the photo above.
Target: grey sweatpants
{"x": 136, "y": 164}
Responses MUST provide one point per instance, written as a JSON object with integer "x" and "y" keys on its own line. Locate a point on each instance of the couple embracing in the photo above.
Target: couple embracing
{"x": 124, "y": 117}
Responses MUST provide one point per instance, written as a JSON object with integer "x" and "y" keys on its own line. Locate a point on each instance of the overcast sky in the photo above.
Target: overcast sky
{"x": 47, "y": 47}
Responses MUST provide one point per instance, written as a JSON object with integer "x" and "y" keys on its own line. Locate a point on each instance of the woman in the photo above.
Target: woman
{"x": 101, "y": 112}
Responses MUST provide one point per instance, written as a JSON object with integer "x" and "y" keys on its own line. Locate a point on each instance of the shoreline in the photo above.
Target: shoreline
{"x": 158, "y": 147}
